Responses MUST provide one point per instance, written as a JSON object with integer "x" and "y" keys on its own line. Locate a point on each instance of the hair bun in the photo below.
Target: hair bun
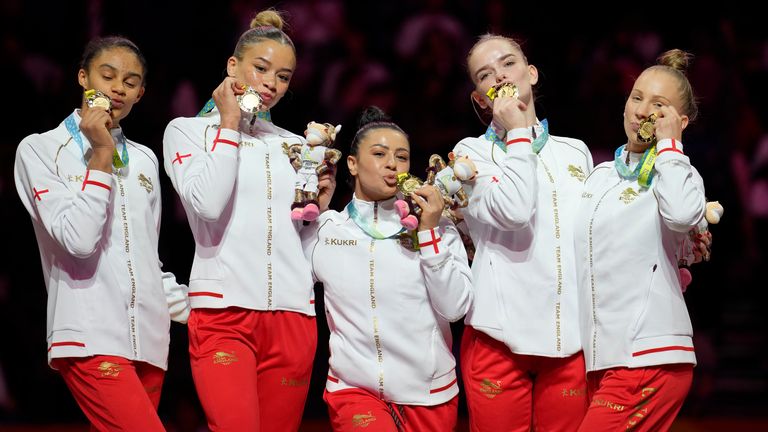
{"x": 269, "y": 17}
{"x": 676, "y": 59}
{"x": 372, "y": 114}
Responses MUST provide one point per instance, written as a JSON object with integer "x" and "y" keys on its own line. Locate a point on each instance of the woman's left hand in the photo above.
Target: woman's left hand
{"x": 669, "y": 124}
{"x": 429, "y": 199}
{"x": 702, "y": 246}
{"x": 326, "y": 186}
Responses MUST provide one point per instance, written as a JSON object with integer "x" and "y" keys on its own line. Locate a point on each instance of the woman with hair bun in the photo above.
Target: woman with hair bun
{"x": 635, "y": 211}
{"x": 389, "y": 308}
{"x": 252, "y": 333}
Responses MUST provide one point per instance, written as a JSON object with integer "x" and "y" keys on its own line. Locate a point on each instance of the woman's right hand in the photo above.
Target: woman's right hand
{"x": 225, "y": 97}
{"x": 95, "y": 124}
{"x": 429, "y": 199}
{"x": 509, "y": 113}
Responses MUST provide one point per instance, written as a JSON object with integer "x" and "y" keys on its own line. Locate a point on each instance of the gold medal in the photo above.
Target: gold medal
{"x": 250, "y": 101}
{"x": 647, "y": 128}
{"x": 503, "y": 90}
{"x": 408, "y": 183}
{"x": 95, "y": 98}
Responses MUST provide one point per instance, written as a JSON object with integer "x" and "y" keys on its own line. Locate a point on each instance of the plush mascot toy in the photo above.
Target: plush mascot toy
{"x": 310, "y": 160}
{"x": 447, "y": 178}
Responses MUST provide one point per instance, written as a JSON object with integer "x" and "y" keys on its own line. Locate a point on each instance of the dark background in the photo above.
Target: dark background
{"x": 408, "y": 58}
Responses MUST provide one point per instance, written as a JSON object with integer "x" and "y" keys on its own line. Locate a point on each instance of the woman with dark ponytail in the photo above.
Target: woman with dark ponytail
{"x": 389, "y": 307}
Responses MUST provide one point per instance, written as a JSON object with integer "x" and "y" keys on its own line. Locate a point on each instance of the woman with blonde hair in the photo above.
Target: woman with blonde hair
{"x": 635, "y": 212}
{"x": 252, "y": 333}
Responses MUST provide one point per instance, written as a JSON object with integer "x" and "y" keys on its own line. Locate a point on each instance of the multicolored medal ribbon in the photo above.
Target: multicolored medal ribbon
{"x": 210, "y": 105}
{"x": 367, "y": 227}
{"x": 119, "y": 161}
{"x": 74, "y": 130}
{"x": 538, "y": 142}
{"x": 207, "y": 108}
{"x": 643, "y": 172}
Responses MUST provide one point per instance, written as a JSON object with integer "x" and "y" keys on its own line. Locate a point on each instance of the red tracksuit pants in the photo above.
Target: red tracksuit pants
{"x": 251, "y": 368}
{"x": 115, "y": 394}
{"x": 354, "y": 410}
{"x": 638, "y": 399}
{"x": 513, "y": 392}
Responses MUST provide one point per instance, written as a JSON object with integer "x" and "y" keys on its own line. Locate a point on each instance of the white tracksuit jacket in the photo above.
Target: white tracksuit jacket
{"x": 389, "y": 307}
{"x": 98, "y": 235}
{"x": 632, "y": 310}
{"x": 520, "y": 217}
{"x": 237, "y": 188}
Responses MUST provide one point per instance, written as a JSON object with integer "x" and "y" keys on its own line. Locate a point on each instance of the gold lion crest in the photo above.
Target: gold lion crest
{"x": 146, "y": 183}
{"x": 363, "y": 420}
{"x": 628, "y": 195}
{"x": 224, "y": 358}
{"x": 490, "y": 388}
{"x": 577, "y": 173}
{"x": 109, "y": 369}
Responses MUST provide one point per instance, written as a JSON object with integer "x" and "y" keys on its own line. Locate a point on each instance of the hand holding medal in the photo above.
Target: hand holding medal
{"x": 430, "y": 201}
{"x": 508, "y": 110}
{"x": 227, "y": 97}
{"x": 95, "y": 124}
{"x": 670, "y": 124}
{"x": 644, "y": 172}
{"x": 96, "y": 112}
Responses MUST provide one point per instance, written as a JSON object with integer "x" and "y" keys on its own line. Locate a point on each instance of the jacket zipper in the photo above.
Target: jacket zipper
{"x": 593, "y": 285}
{"x": 129, "y": 264}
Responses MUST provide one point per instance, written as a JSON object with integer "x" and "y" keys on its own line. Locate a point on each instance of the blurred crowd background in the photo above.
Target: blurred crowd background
{"x": 409, "y": 59}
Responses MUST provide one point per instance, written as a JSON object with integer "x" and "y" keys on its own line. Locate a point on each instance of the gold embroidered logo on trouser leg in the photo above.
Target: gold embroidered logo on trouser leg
{"x": 490, "y": 388}
{"x": 363, "y": 420}
{"x": 108, "y": 369}
{"x": 224, "y": 358}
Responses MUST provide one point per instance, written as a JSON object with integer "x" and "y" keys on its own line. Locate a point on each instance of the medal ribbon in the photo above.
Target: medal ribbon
{"x": 643, "y": 172}
{"x": 537, "y": 145}
{"x": 367, "y": 227}
{"x": 210, "y": 105}
{"x": 74, "y": 131}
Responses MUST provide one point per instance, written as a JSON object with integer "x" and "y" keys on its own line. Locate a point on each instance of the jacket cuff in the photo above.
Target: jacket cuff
{"x": 430, "y": 242}
{"x": 97, "y": 182}
{"x": 518, "y": 136}
{"x": 669, "y": 145}
{"x": 227, "y": 140}
{"x": 519, "y": 141}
